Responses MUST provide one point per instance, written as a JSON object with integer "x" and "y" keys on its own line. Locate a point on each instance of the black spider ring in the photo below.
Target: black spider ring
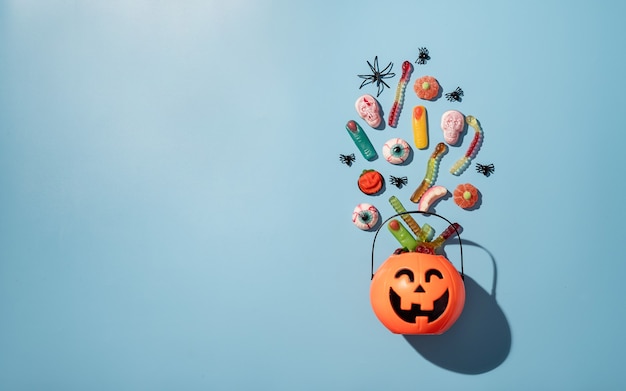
{"x": 423, "y": 56}
{"x": 485, "y": 169}
{"x": 398, "y": 181}
{"x": 377, "y": 76}
{"x": 455, "y": 96}
{"x": 347, "y": 159}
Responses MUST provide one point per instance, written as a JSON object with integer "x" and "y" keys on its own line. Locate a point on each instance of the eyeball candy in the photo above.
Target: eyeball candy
{"x": 365, "y": 216}
{"x": 369, "y": 109}
{"x": 370, "y": 182}
{"x": 396, "y": 151}
{"x": 361, "y": 140}
{"x": 420, "y": 127}
{"x": 452, "y": 122}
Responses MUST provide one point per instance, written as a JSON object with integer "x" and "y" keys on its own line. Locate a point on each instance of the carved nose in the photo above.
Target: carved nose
{"x": 419, "y": 289}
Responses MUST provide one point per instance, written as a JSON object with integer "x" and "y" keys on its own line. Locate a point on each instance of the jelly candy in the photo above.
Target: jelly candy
{"x": 368, "y": 108}
{"x": 394, "y": 113}
{"x": 430, "y": 247}
{"x": 396, "y": 151}
{"x": 465, "y": 195}
{"x": 424, "y": 233}
{"x": 365, "y": 216}
{"x": 370, "y": 182}
{"x": 430, "y": 196}
{"x": 420, "y": 127}
{"x": 361, "y": 140}
{"x": 462, "y": 164}
{"x": 452, "y": 122}
{"x": 403, "y": 236}
{"x": 426, "y": 87}
{"x": 431, "y": 172}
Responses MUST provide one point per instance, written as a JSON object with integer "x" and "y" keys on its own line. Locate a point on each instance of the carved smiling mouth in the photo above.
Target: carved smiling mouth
{"x": 439, "y": 306}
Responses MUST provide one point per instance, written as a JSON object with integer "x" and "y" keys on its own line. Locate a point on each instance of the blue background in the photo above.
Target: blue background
{"x": 173, "y": 213}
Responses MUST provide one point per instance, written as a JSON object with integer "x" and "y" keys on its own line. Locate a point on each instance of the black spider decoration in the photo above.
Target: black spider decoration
{"x": 347, "y": 159}
{"x": 455, "y": 96}
{"x": 398, "y": 181}
{"x": 485, "y": 169}
{"x": 377, "y": 76}
{"x": 423, "y": 56}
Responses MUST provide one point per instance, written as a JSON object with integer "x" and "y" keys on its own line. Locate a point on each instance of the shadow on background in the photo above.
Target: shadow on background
{"x": 478, "y": 342}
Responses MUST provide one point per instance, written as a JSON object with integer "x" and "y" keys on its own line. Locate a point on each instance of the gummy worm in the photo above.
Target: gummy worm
{"x": 462, "y": 164}
{"x": 423, "y": 233}
{"x": 446, "y": 234}
{"x": 431, "y": 172}
{"x": 394, "y": 113}
{"x": 430, "y": 247}
{"x": 430, "y": 196}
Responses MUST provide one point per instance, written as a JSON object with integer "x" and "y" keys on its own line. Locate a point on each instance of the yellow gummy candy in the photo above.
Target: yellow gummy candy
{"x": 420, "y": 127}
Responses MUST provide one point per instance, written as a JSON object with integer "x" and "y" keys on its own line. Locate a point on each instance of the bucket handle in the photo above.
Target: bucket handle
{"x": 458, "y": 235}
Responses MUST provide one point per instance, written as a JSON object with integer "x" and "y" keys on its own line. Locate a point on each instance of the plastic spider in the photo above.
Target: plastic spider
{"x": 398, "y": 182}
{"x": 347, "y": 159}
{"x": 377, "y": 76}
{"x": 423, "y": 56}
{"x": 455, "y": 96}
{"x": 485, "y": 169}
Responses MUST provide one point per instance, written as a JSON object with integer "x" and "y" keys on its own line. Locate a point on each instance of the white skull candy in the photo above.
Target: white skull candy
{"x": 452, "y": 123}
{"x": 368, "y": 109}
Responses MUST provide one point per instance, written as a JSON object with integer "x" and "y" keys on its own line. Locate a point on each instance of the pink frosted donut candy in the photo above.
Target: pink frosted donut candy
{"x": 368, "y": 109}
{"x": 396, "y": 151}
{"x": 365, "y": 216}
{"x": 452, "y": 123}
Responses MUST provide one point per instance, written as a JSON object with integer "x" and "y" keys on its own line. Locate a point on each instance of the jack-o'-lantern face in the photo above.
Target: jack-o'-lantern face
{"x": 414, "y": 293}
{"x": 425, "y": 297}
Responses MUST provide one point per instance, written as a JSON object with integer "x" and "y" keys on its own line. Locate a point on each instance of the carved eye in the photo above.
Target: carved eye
{"x": 433, "y": 272}
{"x": 407, "y": 273}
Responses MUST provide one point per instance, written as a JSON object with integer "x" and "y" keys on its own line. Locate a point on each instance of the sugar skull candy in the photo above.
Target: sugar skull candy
{"x": 452, "y": 123}
{"x": 369, "y": 110}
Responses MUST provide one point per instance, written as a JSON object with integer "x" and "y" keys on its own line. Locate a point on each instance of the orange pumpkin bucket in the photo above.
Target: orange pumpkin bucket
{"x": 417, "y": 292}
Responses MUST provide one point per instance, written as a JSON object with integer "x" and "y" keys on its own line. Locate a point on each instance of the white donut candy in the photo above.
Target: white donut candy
{"x": 396, "y": 151}
{"x": 365, "y": 216}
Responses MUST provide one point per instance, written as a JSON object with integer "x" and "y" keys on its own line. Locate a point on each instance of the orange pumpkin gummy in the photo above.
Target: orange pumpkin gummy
{"x": 370, "y": 182}
{"x": 426, "y": 87}
{"x": 465, "y": 195}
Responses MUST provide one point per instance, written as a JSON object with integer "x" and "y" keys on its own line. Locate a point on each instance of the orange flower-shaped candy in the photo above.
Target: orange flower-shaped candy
{"x": 465, "y": 195}
{"x": 426, "y": 87}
